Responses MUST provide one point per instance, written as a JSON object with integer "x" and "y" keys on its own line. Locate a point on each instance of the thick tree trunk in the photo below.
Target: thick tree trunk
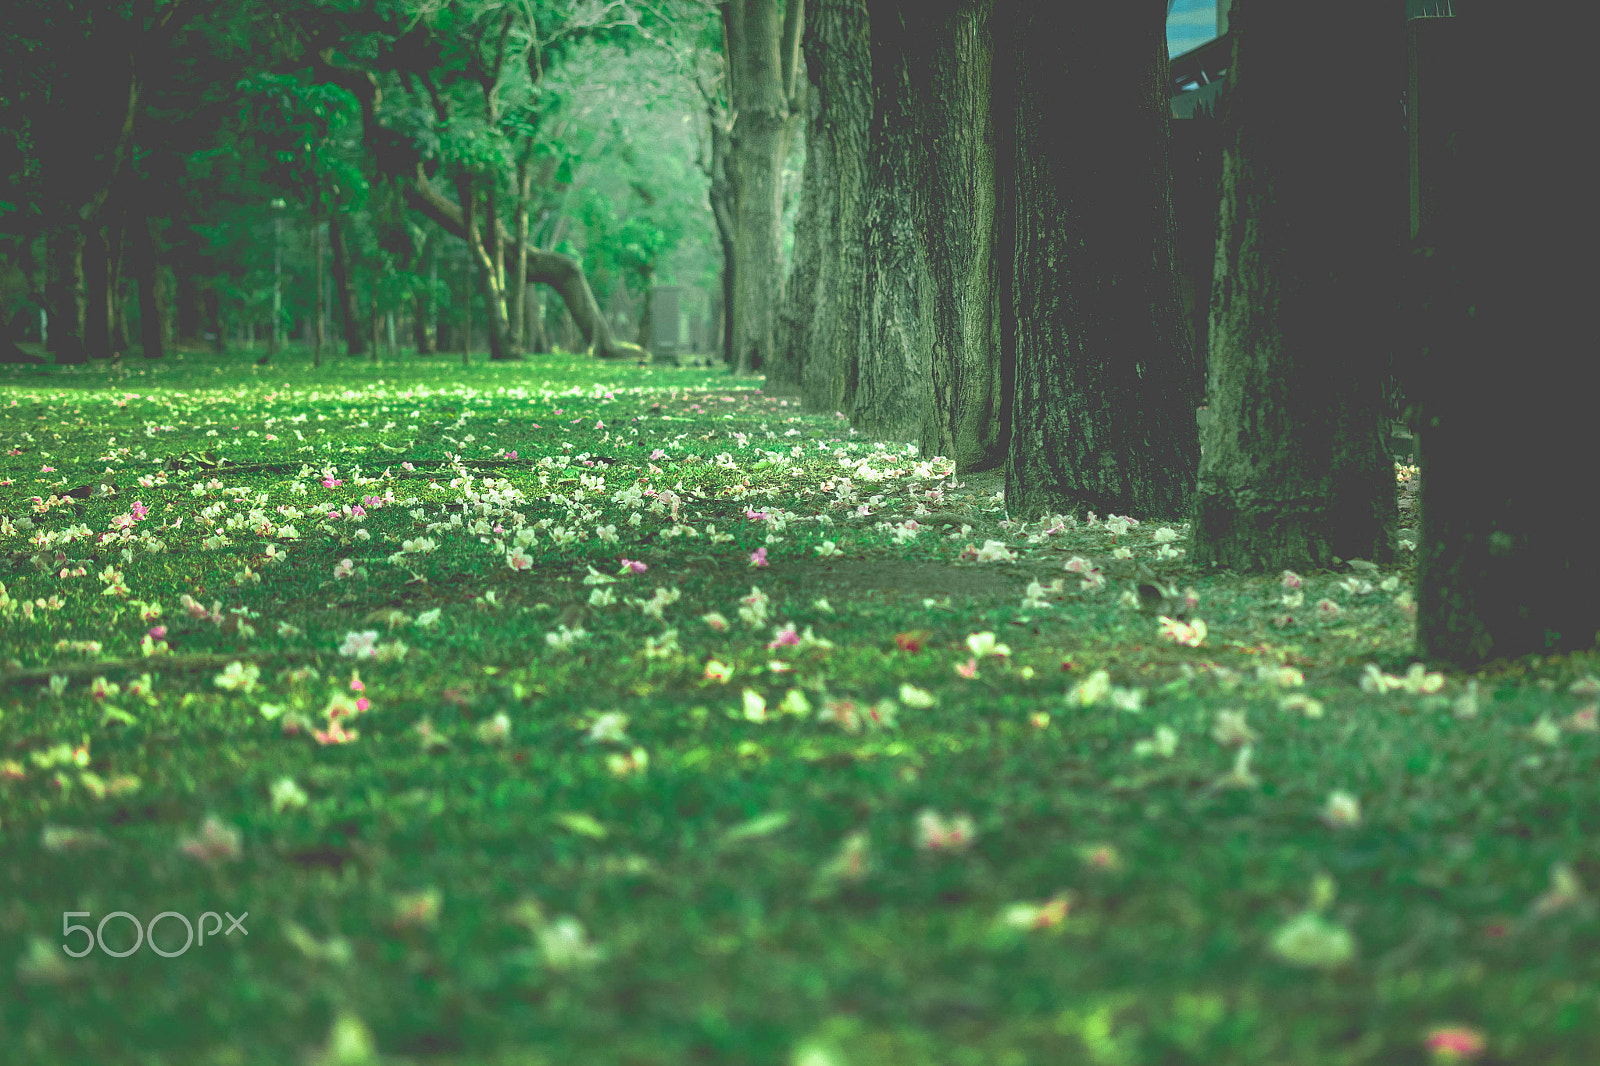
{"x": 951, "y": 84}
{"x": 349, "y": 318}
{"x": 1102, "y": 417}
{"x": 152, "y": 297}
{"x": 1293, "y": 473}
{"x": 1507, "y": 211}
{"x": 762, "y": 62}
{"x": 889, "y": 396}
{"x": 822, "y": 319}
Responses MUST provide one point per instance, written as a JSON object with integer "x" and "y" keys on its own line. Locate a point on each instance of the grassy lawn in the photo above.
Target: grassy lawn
{"x": 559, "y": 712}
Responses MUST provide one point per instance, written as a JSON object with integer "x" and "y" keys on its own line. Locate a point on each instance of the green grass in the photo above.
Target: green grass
{"x": 484, "y": 874}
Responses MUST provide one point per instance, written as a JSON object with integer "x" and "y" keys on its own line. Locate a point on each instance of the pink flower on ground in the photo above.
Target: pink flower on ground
{"x": 754, "y": 516}
{"x": 1290, "y": 579}
{"x": 139, "y": 511}
{"x": 334, "y": 734}
{"x": 657, "y": 455}
{"x": 634, "y": 566}
{"x": 331, "y": 482}
{"x": 758, "y": 558}
{"x": 158, "y": 632}
{"x": 968, "y": 669}
{"x": 1454, "y": 1043}
{"x": 1328, "y": 610}
{"x": 785, "y": 638}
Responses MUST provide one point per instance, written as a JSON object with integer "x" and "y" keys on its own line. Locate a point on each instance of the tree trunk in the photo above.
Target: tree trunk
{"x": 1294, "y": 474}
{"x": 349, "y": 318}
{"x": 560, "y": 272}
{"x": 518, "y": 312}
{"x": 1094, "y": 332}
{"x": 215, "y": 326}
{"x": 823, "y": 308}
{"x": 1507, "y": 425}
{"x": 319, "y": 313}
{"x": 148, "y": 277}
{"x": 889, "y": 396}
{"x": 97, "y": 293}
{"x": 761, "y": 66}
{"x": 956, "y": 220}
{"x": 481, "y": 250}
{"x": 64, "y": 285}
{"x": 190, "y": 312}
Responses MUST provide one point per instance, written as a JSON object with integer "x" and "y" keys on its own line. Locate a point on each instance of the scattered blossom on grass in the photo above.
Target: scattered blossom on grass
{"x": 1341, "y": 810}
{"x": 755, "y": 706}
{"x": 1454, "y": 1043}
{"x": 1231, "y": 730}
{"x": 1189, "y": 634}
{"x": 715, "y": 620}
{"x": 1047, "y": 915}
{"x": 1164, "y": 742}
{"x": 936, "y": 833}
{"x": 982, "y": 645}
{"x": 496, "y": 730}
{"x": 360, "y": 645}
{"x": 217, "y": 841}
{"x": 238, "y": 677}
{"x": 287, "y": 795}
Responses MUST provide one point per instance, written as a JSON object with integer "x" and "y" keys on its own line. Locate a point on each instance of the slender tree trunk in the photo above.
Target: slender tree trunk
{"x": 1294, "y": 474}
{"x": 116, "y": 290}
{"x": 1094, "y": 330}
{"x": 190, "y": 314}
{"x": 152, "y": 302}
{"x": 520, "y": 337}
{"x": 349, "y": 318}
{"x": 1507, "y": 211}
{"x": 64, "y": 254}
{"x": 215, "y": 324}
{"x": 319, "y": 314}
{"x": 374, "y": 320}
{"x": 97, "y": 293}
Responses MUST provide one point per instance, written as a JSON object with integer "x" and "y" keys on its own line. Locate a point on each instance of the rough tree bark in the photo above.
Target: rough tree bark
{"x": 955, "y": 212}
{"x": 1102, "y": 416}
{"x": 763, "y": 54}
{"x": 889, "y": 394}
{"x": 1503, "y": 567}
{"x": 1294, "y": 474}
{"x": 822, "y": 311}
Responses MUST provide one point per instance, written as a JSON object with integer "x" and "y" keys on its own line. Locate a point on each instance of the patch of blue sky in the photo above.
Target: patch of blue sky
{"x": 1190, "y": 24}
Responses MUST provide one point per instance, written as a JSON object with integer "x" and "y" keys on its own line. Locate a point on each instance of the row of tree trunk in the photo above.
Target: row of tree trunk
{"x": 986, "y": 262}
